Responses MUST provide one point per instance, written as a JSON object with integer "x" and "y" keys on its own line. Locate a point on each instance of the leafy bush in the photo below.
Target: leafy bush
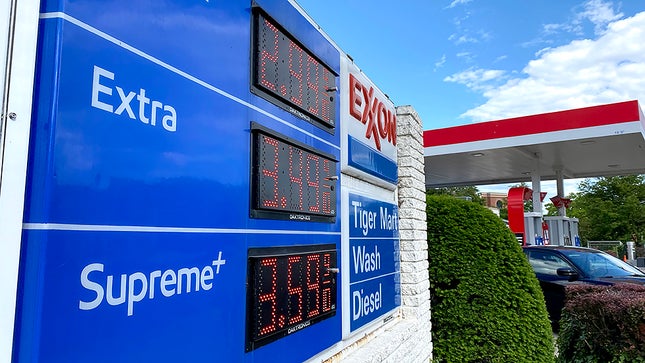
{"x": 487, "y": 305}
{"x": 603, "y": 324}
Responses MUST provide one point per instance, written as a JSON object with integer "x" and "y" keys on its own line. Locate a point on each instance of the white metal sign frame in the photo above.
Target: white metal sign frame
{"x": 18, "y": 34}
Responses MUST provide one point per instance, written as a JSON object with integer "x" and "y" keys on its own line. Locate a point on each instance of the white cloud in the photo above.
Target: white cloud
{"x": 582, "y": 73}
{"x": 455, "y": 3}
{"x": 466, "y": 56}
{"x": 438, "y": 64}
{"x": 552, "y": 28}
{"x": 462, "y": 39}
{"x": 465, "y": 38}
{"x": 485, "y": 35}
{"x": 599, "y": 13}
{"x": 477, "y": 79}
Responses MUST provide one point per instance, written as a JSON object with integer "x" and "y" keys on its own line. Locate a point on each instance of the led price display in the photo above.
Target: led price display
{"x": 290, "y": 180}
{"x": 288, "y": 289}
{"x": 290, "y": 76}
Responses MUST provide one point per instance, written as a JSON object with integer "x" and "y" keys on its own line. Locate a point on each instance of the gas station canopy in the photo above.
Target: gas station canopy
{"x": 604, "y": 140}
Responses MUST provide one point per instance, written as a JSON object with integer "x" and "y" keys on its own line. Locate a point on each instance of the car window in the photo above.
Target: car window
{"x": 544, "y": 262}
{"x": 601, "y": 265}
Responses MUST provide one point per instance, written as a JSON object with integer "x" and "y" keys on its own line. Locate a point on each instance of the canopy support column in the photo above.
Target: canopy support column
{"x": 562, "y": 211}
{"x": 536, "y": 186}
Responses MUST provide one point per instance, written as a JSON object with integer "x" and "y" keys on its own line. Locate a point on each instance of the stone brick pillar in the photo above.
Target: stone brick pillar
{"x": 415, "y": 283}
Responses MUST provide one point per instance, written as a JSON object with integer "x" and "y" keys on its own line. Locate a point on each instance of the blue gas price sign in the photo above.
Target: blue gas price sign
{"x": 289, "y": 289}
{"x": 167, "y": 229}
{"x": 287, "y": 74}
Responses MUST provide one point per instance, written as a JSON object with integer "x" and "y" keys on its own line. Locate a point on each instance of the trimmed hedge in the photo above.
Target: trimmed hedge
{"x": 487, "y": 305}
{"x": 603, "y": 324}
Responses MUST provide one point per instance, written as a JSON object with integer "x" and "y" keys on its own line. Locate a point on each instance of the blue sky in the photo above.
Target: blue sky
{"x": 463, "y": 61}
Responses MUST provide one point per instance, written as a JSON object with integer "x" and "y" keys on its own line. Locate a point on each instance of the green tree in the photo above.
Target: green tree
{"x": 468, "y": 193}
{"x": 550, "y": 210}
{"x": 503, "y": 210}
{"x": 487, "y": 305}
{"x": 610, "y": 208}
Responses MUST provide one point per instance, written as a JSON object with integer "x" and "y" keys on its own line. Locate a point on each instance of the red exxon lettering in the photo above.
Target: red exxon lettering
{"x": 369, "y": 110}
{"x": 355, "y": 99}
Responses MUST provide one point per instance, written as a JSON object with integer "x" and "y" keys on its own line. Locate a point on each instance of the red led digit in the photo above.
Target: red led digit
{"x": 326, "y": 281}
{"x": 313, "y": 85}
{"x": 326, "y": 196}
{"x": 296, "y": 179}
{"x": 273, "y": 174}
{"x": 265, "y": 55}
{"x": 313, "y": 285}
{"x": 268, "y": 296}
{"x": 294, "y": 289}
{"x": 326, "y": 100}
{"x": 313, "y": 181}
{"x": 326, "y": 202}
{"x": 295, "y": 70}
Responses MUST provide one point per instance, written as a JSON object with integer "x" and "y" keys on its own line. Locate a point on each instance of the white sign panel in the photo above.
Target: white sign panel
{"x": 368, "y": 128}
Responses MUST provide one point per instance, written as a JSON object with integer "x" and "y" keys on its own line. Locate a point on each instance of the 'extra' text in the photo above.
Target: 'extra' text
{"x": 149, "y": 111}
{"x": 137, "y": 286}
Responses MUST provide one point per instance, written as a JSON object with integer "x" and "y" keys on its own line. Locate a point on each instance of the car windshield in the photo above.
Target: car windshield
{"x": 598, "y": 264}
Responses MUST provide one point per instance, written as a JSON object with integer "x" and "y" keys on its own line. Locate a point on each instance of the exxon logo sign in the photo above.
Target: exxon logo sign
{"x": 366, "y": 107}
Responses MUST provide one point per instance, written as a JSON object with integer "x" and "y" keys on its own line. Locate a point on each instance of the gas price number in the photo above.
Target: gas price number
{"x": 288, "y": 75}
{"x": 288, "y": 289}
{"x": 291, "y": 180}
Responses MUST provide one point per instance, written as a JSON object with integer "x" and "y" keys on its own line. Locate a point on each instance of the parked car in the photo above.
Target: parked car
{"x": 556, "y": 267}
